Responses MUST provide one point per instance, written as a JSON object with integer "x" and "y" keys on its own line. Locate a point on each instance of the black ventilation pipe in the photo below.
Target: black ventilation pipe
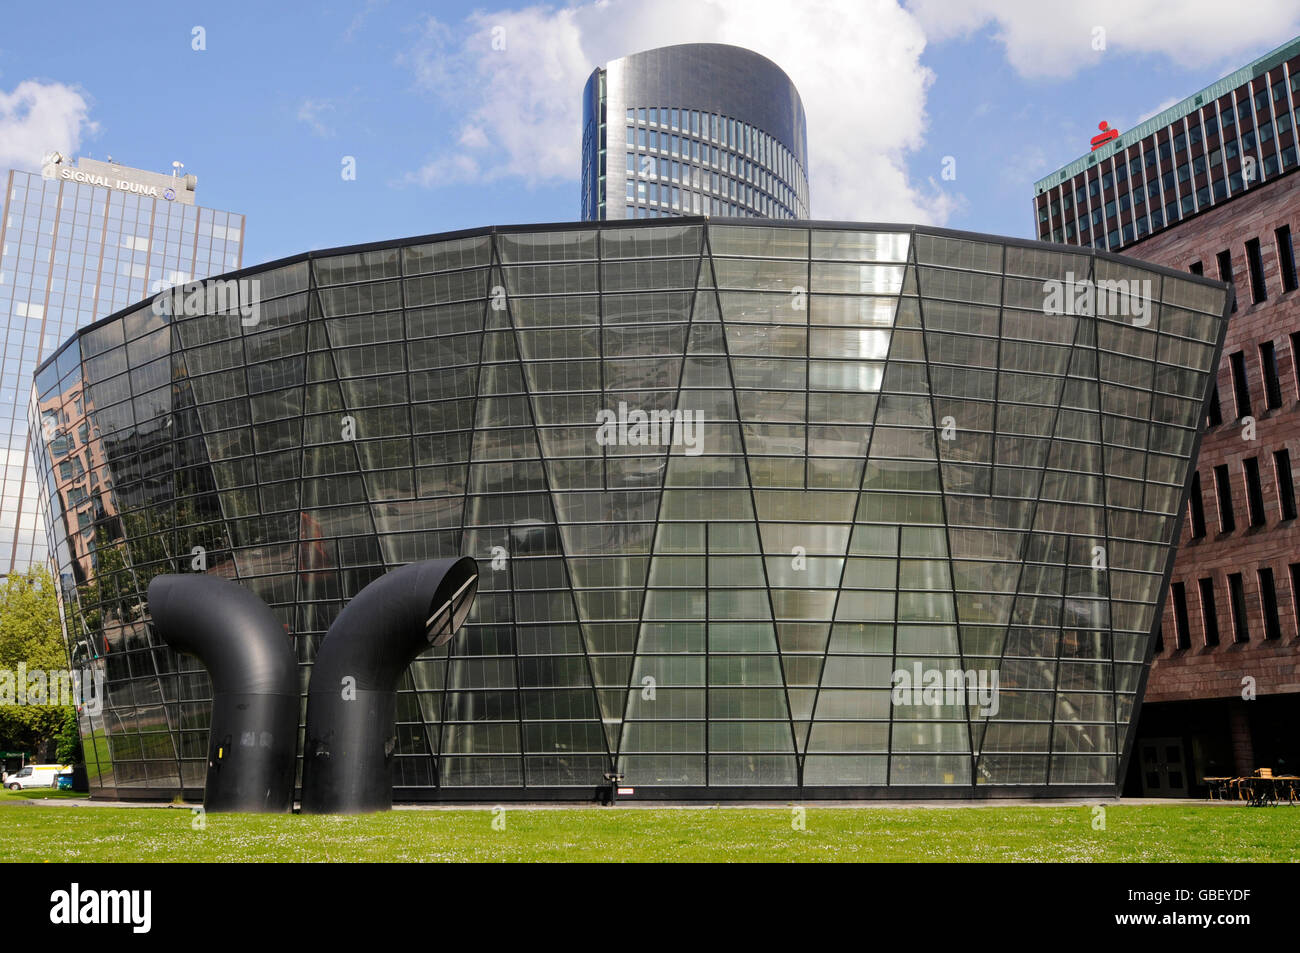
{"x": 347, "y": 764}
{"x": 253, "y": 741}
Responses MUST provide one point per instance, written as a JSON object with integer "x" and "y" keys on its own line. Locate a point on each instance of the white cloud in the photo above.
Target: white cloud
{"x": 359, "y": 19}
{"x": 856, "y": 64}
{"x": 1171, "y": 101}
{"x": 37, "y": 118}
{"x": 310, "y": 112}
{"x": 1057, "y": 39}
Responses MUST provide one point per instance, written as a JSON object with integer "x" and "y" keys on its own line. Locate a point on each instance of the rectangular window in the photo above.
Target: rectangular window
{"x": 1224, "y": 259}
{"x": 1196, "y": 505}
{"x": 1160, "y": 639}
{"x": 1285, "y": 484}
{"x": 1197, "y": 268}
{"x": 1294, "y": 570}
{"x": 1295, "y": 360}
{"x": 1254, "y": 491}
{"x": 1286, "y": 257}
{"x": 1209, "y": 615}
{"x": 1240, "y": 385}
{"x": 1258, "y": 292}
{"x": 1237, "y": 596}
{"x": 1181, "y": 638}
{"x": 1268, "y": 604}
{"x": 1272, "y": 385}
{"x": 1223, "y": 488}
{"x": 1214, "y": 416}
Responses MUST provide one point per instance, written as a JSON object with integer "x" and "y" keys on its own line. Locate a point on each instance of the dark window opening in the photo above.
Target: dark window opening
{"x": 1214, "y": 416}
{"x": 1160, "y": 639}
{"x": 1268, "y": 604}
{"x": 1197, "y": 268}
{"x": 1286, "y": 257}
{"x": 1272, "y": 385}
{"x": 1197, "y": 506}
{"x": 1240, "y": 385}
{"x": 1285, "y": 484}
{"x": 1254, "y": 491}
{"x": 1224, "y": 258}
{"x": 1237, "y": 595}
{"x": 1209, "y": 614}
{"x": 1294, "y": 569}
{"x": 1181, "y": 638}
{"x": 1258, "y": 292}
{"x": 1295, "y": 362}
{"x": 1223, "y": 487}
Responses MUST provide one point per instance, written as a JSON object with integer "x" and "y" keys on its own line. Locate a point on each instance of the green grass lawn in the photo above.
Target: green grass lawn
{"x": 37, "y": 794}
{"x": 1052, "y": 833}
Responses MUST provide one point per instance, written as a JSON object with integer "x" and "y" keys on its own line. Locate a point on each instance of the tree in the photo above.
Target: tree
{"x": 30, "y": 636}
{"x": 69, "y": 739}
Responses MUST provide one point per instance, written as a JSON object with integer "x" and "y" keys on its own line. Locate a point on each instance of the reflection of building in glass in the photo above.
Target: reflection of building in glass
{"x": 906, "y": 463}
{"x": 695, "y": 129}
{"x": 78, "y": 242}
{"x": 84, "y": 501}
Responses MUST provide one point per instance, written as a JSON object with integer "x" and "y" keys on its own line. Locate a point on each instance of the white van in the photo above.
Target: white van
{"x": 34, "y": 776}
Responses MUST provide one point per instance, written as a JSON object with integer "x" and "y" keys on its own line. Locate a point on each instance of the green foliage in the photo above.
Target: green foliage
{"x": 30, "y": 634}
{"x": 69, "y": 740}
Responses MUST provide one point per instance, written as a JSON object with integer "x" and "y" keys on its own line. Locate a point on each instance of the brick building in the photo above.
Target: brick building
{"x": 1208, "y": 186}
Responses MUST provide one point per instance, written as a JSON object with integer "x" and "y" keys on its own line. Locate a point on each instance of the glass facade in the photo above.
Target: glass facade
{"x": 697, "y": 129}
{"x": 71, "y": 252}
{"x": 739, "y": 492}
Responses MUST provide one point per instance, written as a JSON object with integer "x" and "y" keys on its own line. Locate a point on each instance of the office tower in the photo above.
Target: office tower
{"x": 696, "y": 129}
{"x": 77, "y": 242}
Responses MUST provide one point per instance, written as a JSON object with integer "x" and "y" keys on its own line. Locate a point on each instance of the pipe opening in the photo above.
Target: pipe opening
{"x": 449, "y": 617}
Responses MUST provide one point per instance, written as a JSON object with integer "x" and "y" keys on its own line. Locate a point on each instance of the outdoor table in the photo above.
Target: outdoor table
{"x": 1219, "y": 787}
{"x": 1256, "y": 790}
{"x": 1288, "y": 784}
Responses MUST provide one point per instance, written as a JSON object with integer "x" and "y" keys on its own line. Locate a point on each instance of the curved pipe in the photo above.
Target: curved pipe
{"x": 253, "y": 739}
{"x": 352, "y": 705}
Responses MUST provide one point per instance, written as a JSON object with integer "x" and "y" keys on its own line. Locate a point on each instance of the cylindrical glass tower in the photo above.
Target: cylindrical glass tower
{"x": 695, "y": 129}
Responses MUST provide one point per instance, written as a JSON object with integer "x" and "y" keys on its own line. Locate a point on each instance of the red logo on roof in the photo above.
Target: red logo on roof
{"x": 1105, "y": 136}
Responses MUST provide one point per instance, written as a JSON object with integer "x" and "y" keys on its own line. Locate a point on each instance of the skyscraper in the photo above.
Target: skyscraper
{"x": 78, "y": 242}
{"x": 1209, "y": 187}
{"x": 695, "y": 129}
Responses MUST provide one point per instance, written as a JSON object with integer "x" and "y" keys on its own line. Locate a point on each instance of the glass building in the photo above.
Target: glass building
{"x": 780, "y": 509}
{"x": 695, "y": 129}
{"x": 78, "y": 242}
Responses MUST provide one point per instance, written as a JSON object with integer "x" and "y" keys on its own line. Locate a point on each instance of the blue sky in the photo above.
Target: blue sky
{"x": 283, "y": 92}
